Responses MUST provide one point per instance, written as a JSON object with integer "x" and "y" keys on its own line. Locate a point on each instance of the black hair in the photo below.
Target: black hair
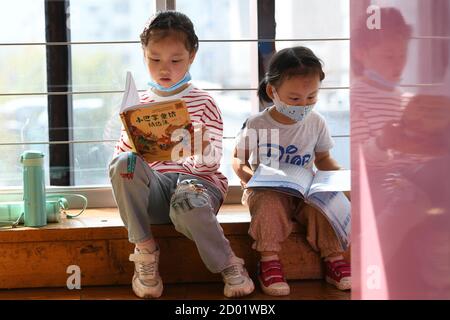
{"x": 170, "y": 22}
{"x": 289, "y": 62}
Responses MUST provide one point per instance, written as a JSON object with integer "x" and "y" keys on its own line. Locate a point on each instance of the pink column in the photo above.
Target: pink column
{"x": 400, "y": 147}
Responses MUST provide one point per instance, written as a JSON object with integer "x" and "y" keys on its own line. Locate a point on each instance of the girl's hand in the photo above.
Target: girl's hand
{"x": 197, "y": 132}
{"x": 188, "y": 139}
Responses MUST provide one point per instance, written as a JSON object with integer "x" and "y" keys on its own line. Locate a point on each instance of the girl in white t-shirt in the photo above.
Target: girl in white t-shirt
{"x": 291, "y": 132}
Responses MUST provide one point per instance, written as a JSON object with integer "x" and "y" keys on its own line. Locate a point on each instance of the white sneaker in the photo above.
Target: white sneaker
{"x": 147, "y": 282}
{"x": 236, "y": 279}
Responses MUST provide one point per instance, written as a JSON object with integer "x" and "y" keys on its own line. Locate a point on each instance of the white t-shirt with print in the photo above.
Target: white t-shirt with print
{"x": 287, "y": 143}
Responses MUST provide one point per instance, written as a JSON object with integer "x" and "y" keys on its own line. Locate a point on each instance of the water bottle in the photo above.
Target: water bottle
{"x": 34, "y": 189}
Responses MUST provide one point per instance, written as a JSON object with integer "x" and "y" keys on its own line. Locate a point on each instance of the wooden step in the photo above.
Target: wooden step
{"x": 300, "y": 290}
{"x": 97, "y": 243}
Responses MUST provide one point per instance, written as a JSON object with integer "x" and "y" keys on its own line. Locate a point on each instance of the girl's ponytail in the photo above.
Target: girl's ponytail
{"x": 262, "y": 90}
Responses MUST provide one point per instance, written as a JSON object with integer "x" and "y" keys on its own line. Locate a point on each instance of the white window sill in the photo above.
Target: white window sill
{"x": 100, "y": 196}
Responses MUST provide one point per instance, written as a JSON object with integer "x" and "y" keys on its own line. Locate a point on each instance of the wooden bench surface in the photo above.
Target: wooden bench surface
{"x": 105, "y": 223}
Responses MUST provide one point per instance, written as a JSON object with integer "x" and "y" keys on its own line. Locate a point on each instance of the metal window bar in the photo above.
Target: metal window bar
{"x": 60, "y": 43}
{"x": 121, "y": 91}
{"x": 202, "y": 40}
{"x": 104, "y": 141}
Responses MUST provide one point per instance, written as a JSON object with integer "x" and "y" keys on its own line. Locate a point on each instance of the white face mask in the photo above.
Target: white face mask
{"x": 296, "y": 113}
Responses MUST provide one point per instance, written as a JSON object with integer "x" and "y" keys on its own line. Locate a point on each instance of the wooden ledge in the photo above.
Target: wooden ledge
{"x": 105, "y": 223}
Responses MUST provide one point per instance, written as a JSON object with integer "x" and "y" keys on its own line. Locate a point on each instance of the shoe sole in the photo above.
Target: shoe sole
{"x": 239, "y": 291}
{"x": 277, "y": 292}
{"x": 156, "y": 294}
{"x": 347, "y": 285}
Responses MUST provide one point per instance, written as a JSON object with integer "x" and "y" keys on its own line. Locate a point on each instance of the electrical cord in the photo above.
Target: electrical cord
{"x": 64, "y": 204}
{"x": 12, "y": 225}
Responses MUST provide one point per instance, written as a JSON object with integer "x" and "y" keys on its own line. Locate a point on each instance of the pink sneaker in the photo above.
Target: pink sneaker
{"x": 338, "y": 273}
{"x": 272, "y": 279}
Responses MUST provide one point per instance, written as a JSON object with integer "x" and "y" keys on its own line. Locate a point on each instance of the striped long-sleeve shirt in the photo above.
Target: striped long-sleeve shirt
{"x": 372, "y": 109}
{"x": 203, "y": 110}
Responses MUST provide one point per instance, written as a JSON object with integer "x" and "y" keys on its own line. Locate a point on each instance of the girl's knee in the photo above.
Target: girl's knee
{"x": 270, "y": 204}
{"x": 124, "y": 165}
{"x": 119, "y": 163}
{"x": 191, "y": 196}
{"x": 189, "y": 204}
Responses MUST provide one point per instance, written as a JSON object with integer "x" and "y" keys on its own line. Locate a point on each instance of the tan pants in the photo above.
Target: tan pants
{"x": 272, "y": 216}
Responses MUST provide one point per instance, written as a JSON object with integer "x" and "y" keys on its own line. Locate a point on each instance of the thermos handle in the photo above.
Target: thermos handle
{"x": 64, "y": 204}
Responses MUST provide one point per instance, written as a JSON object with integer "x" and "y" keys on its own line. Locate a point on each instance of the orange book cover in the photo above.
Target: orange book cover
{"x": 150, "y": 125}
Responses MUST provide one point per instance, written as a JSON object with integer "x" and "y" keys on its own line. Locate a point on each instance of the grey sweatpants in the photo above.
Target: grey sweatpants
{"x": 146, "y": 197}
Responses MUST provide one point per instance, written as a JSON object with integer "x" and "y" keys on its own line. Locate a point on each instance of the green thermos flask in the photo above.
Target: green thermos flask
{"x": 34, "y": 189}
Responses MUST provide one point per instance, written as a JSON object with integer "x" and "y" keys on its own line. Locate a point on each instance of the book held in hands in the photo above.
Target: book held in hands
{"x": 151, "y": 126}
{"x": 322, "y": 189}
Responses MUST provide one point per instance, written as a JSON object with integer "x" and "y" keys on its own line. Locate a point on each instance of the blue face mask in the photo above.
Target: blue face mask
{"x": 187, "y": 77}
{"x": 296, "y": 113}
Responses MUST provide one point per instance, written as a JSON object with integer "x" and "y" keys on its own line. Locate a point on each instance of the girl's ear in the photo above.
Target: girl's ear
{"x": 144, "y": 50}
{"x": 192, "y": 57}
{"x": 269, "y": 91}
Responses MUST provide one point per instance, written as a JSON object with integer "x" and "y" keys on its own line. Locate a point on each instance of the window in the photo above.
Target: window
{"x": 99, "y": 68}
{"x": 226, "y": 62}
{"x": 23, "y": 117}
{"x": 323, "y": 26}
{"x": 102, "y": 50}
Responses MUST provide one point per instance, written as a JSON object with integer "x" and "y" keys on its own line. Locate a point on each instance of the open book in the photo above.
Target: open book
{"x": 150, "y": 125}
{"x": 323, "y": 190}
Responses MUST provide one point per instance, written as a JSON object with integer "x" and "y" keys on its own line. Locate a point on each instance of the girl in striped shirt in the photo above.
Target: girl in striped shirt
{"x": 187, "y": 192}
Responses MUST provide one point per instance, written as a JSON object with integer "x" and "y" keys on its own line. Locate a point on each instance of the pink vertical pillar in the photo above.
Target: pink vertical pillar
{"x": 400, "y": 147}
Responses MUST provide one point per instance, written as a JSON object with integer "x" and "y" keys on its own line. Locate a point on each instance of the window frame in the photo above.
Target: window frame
{"x": 62, "y": 143}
